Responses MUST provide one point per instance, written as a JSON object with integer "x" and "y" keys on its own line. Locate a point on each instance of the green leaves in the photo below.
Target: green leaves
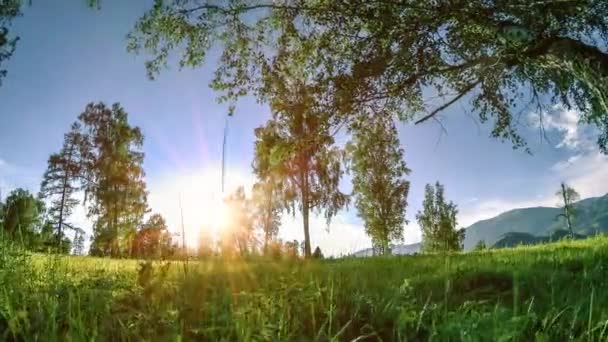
{"x": 437, "y": 220}
{"x": 113, "y": 177}
{"x": 295, "y": 151}
{"x": 396, "y": 55}
{"x": 379, "y": 184}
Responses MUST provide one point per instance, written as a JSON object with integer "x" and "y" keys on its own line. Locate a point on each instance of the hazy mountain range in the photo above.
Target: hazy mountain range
{"x": 527, "y": 225}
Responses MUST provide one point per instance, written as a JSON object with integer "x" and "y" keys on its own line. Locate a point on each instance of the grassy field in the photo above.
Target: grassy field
{"x": 554, "y": 292}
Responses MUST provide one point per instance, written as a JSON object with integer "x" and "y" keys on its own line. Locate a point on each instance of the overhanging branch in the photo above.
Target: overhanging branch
{"x": 465, "y": 91}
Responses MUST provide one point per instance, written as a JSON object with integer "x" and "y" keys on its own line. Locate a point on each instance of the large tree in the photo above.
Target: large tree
{"x": 437, "y": 219}
{"x": 379, "y": 186}
{"x": 567, "y": 196}
{"x": 60, "y": 181}
{"x": 296, "y": 147}
{"x": 113, "y": 177}
{"x": 503, "y": 57}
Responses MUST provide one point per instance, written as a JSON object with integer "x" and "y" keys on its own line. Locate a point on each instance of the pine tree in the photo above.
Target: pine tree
{"x": 438, "y": 222}
{"x": 113, "y": 177}
{"x": 60, "y": 181}
{"x": 379, "y": 186}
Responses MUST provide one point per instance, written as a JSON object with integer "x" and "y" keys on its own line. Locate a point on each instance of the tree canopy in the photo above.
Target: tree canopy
{"x": 502, "y": 57}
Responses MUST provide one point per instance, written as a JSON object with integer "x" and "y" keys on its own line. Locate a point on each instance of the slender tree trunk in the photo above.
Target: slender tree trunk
{"x": 61, "y": 206}
{"x": 305, "y": 213}
{"x": 66, "y": 177}
{"x": 567, "y": 210}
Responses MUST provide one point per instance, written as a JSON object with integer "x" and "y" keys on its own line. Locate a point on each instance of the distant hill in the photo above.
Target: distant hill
{"x": 398, "y": 249}
{"x": 513, "y": 239}
{"x": 538, "y": 223}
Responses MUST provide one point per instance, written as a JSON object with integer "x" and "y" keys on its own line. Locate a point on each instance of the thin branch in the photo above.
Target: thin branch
{"x": 449, "y": 103}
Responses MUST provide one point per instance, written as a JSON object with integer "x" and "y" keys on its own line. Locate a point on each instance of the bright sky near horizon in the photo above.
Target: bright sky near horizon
{"x": 70, "y": 55}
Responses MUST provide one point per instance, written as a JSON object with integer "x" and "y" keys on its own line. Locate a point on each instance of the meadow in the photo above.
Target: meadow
{"x": 552, "y": 292}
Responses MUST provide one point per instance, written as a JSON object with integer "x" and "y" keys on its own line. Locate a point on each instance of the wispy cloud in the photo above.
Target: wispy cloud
{"x": 564, "y": 123}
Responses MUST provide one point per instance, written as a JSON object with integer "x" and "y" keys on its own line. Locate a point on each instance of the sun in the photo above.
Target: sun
{"x": 198, "y": 196}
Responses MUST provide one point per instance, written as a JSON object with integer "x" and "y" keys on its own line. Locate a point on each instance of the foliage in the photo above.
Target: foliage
{"x": 437, "y": 221}
{"x": 379, "y": 186}
{"x": 568, "y": 196}
{"x": 22, "y": 217}
{"x": 9, "y": 10}
{"x": 51, "y": 240}
{"x": 296, "y": 150}
{"x": 514, "y": 239}
{"x": 113, "y": 174}
{"x": 267, "y": 210}
{"x": 153, "y": 239}
{"x": 498, "y": 56}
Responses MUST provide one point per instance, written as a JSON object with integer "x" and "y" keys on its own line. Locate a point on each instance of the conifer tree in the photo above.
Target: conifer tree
{"x": 60, "y": 181}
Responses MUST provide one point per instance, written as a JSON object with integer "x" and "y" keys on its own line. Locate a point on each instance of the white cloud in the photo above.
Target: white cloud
{"x": 588, "y": 174}
{"x": 565, "y": 122}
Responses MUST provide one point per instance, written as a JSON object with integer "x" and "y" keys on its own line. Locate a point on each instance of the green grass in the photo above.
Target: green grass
{"x": 553, "y": 292}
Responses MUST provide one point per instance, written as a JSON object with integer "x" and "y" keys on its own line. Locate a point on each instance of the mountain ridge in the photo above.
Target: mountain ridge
{"x": 538, "y": 221}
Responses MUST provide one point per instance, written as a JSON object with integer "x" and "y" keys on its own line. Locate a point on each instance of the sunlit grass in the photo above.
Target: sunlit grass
{"x": 551, "y": 292}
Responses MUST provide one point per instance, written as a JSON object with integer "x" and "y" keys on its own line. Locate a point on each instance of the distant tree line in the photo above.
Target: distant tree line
{"x": 296, "y": 161}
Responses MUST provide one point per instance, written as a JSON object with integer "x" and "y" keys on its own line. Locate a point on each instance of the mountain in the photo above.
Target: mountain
{"x": 538, "y": 222}
{"x": 399, "y": 249}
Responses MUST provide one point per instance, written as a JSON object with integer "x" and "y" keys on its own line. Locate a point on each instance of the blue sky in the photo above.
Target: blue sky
{"x": 69, "y": 56}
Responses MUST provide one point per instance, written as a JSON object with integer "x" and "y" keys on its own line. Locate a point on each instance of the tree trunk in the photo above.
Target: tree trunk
{"x": 61, "y": 206}
{"x": 305, "y": 212}
{"x": 66, "y": 178}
